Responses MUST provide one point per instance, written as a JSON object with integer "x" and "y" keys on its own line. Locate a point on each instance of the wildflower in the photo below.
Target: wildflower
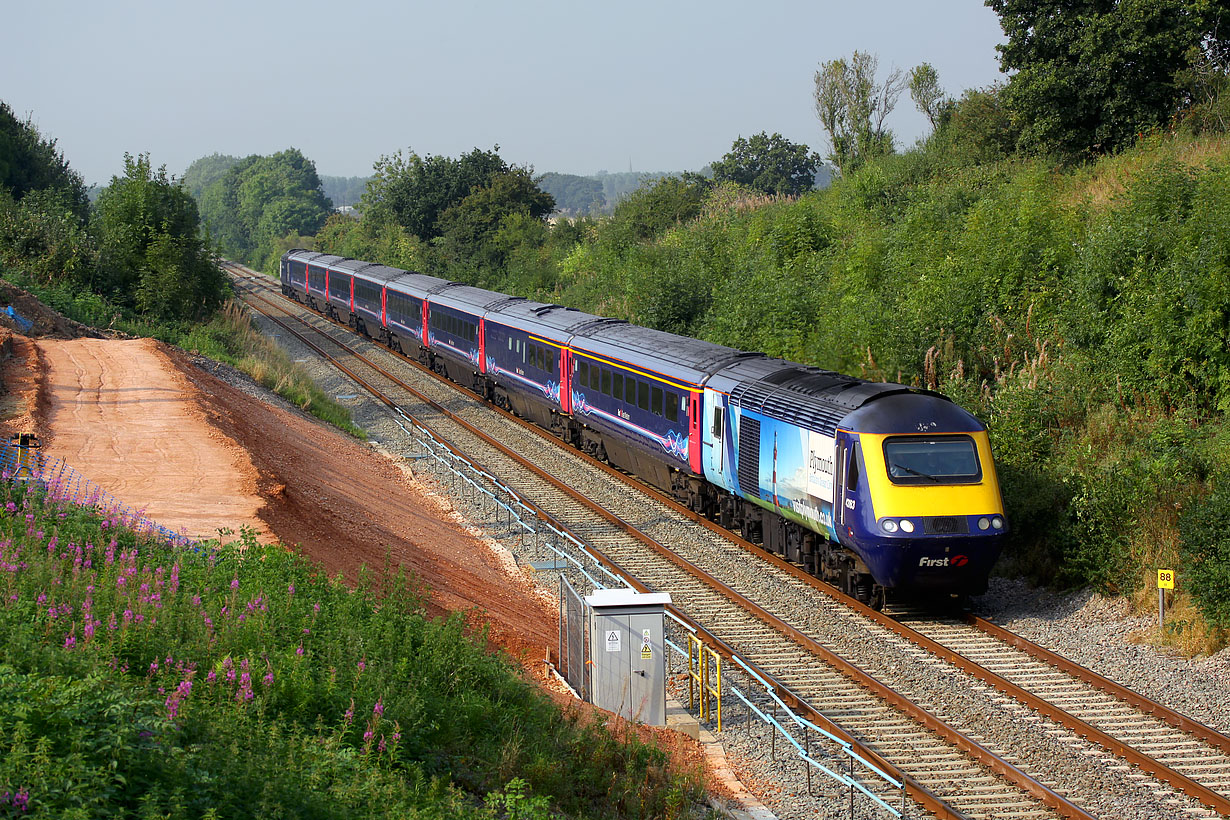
{"x": 362, "y": 665}
{"x": 378, "y": 709}
{"x": 211, "y": 677}
{"x": 291, "y": 589}
{"x": 299, "y": 651}
{"x": 380, "y": 746}
{"x": 70, "y": 641}
{"x": 268, "y": 679}
{"x": 21, "y": 800}
{"x": 396, "y": 731}
{"x": 196, "y": 600}
{"x": 235, "y": 582}
{"x": 349, "y": 716}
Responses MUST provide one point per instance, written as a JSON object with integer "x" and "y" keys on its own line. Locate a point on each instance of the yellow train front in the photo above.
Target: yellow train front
{"x": 916, "y": 496}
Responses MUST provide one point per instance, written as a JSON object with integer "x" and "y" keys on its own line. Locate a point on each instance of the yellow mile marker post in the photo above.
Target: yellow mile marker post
{"x": 1165, "y": 581}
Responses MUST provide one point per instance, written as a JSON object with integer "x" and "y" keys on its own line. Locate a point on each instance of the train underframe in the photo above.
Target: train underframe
{"x": 812, "y": 552}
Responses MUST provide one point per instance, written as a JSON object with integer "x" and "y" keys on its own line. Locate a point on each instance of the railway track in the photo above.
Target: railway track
{"x": 795, "y": 626}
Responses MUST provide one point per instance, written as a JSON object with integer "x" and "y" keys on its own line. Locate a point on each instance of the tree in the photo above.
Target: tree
{"x": 468, "y": 229}
{"x": 151, "y": 254}
{"x": 29, "y": 163}
{"x": 414, "y": 191}
{"x": 926, "y": 92}
{"x": 770, "y": 165}
{"x": 1091, "y": 74}
{"x": 260, "y": 199}
{"x": 852, "y": 107}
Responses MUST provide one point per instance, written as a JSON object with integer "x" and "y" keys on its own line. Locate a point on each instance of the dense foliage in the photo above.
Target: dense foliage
{"x": 30, "y": 163}
{"x": 137, "y": 255}
{"x": 151, "y": 254}
{"x": 1090, "y": 75}
{"x": 141, "y": 680}
{"x": 258, "y": 201}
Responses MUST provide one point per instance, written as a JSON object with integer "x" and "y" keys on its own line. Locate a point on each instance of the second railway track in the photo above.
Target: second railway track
{"x": 1102, "y": 783}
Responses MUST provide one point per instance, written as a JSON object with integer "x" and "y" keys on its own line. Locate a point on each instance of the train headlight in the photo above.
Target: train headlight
{"x": 907, "y": 525}
{"x": 889, "y": 525}
{"x": 984, "y": 523}
{"x": 997, "y": 523}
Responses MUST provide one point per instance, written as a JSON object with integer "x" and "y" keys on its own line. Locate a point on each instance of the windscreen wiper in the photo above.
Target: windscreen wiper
{"x": 912, "y": 471}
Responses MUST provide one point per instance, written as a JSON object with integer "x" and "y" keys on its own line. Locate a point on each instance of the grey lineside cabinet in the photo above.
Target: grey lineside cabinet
{"x": 628, "y": 650}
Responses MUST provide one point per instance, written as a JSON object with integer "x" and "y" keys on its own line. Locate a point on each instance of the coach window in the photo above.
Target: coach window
{"x": 551, "y": 361}
{"x": 542, "y": 358}
{"x": 618, "y": 390}
{"x": 583, "y": 372}
{"x": 672, "y": 406}
{"x": 717, "y": 422}
{"x": 606, "y": 381}
{"x": 642, "y": 395}
{"x": 630, "y": 390}
{"x": 595, "y": 377}
{"x": 657, "y": 400}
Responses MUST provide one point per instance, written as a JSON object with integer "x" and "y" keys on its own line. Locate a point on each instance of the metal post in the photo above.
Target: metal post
{"x": 807, "y": 752}
{"x": 1161, "y": 608}
{"x": 851, "y": 786}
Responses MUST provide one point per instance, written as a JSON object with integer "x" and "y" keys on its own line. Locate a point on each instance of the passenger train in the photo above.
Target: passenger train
{"x": 873, "y": 487}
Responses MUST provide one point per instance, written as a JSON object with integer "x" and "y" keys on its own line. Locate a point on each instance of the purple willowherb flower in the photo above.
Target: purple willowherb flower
{"x": 378, "y": 709}
{"x": 268, "y": 679}
{"x": 211, "y": 677}
{"x": 380, "y": 746}
{"x": 299, "y": 651}
{"x": 291, "y": 589}
{"x": 362, "y": 665}
{"x": 349, "y": 716}
{"x": 70, "y": 641}
{"x": 21, "y": 800}
{"x": 235, "y": 582}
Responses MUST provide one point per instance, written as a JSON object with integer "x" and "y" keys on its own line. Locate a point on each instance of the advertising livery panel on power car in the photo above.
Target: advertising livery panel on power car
{"x": 870, "y": 486}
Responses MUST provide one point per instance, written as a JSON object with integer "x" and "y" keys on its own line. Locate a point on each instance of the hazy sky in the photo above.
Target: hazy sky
{"x": 575, "y": 87}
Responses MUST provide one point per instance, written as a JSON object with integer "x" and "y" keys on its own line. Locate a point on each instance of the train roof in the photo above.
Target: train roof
{"x": 471, "y": 299}
{"x": 314, "y": 258}
{"x": 912, "y": 412}
{"x": 379, "y": 273}
{"x": 555, "y": 322}
{"x": 419, "y": 285}
{"x": 690, "y": 360}
{"x": 818, "y": 399}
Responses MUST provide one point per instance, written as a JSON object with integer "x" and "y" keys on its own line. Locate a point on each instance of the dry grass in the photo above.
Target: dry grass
{"x": 1102, "y": 183}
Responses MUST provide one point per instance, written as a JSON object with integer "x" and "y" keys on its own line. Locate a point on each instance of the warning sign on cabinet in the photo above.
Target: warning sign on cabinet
{"x": 613, "y": 641}
{"x": 646, "y": 647}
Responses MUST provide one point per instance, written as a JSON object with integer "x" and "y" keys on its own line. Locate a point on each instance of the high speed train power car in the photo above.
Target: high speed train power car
{"x": 870, "y": 486}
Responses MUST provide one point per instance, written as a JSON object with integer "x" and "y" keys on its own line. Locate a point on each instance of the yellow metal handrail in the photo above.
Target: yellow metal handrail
{"x": 699, "y": 678}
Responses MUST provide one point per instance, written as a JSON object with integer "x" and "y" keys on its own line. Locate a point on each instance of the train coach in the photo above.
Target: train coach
{"x": 874, "y": 487}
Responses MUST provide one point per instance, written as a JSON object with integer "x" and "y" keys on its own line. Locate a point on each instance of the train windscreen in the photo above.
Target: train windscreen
{"x": 932, "y": 460}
